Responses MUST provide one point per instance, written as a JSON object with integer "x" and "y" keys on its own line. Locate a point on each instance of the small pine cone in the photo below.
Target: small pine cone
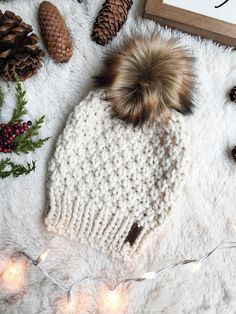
{"x": 19, "y": 53}
{"x": 55, "y": 33}
{"x": 110, "y": 19}
{"x": 232, "y": 94}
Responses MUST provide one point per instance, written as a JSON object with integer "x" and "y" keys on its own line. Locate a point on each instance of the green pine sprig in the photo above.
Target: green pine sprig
{"x": 21, "y": 101}
{"x": 33, "y": 130}
{"x": 1, "y": 98}
{"x": 8, "y": 168}
{"x": 24, "y": 142}
{"x": 27, "y": 146}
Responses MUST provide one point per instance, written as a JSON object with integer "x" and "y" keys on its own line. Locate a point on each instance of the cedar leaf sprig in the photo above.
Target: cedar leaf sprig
{"x": 29, "y": 146}
{"x": 8, "y": 168}
{"x": 24, "y": 142}
{"x": 21, "y": 101}
{"x": 1, "y": 98}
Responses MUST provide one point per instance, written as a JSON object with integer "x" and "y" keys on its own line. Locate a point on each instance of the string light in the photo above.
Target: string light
{"x": 196, "y": 266}
{"x": 149, "y": 276}
{"x": 68, "y": 307}
{"x": 14, "y": 273}
{"x": 112, "y": 300}
{"x": 42, "y": 258}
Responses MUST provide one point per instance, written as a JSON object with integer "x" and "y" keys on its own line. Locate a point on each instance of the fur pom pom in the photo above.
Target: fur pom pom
{"x": 147, "y": 77}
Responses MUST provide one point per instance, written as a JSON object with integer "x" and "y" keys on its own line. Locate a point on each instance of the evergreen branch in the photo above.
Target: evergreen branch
{"x": 8, "y": 168}
{"x": 1, "y": 97}
{"x": 33, "y": 130}
{"x": 26, "y": 146}
{"x": 20, "y": 109}
{"x": 23, "y": 142}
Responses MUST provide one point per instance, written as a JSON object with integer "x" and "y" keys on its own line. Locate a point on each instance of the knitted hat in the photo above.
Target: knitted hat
{"x": 109, "y": 183}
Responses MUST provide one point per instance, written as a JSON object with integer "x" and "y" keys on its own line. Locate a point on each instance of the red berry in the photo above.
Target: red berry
{"x": 5, "y": 150}
{"x": 1, "y": 149}
{"x": 17, "y": 132}
{"x": 22, "y": 130}
{"x": 10, "y": 139}
{"x": 9, "y": 150}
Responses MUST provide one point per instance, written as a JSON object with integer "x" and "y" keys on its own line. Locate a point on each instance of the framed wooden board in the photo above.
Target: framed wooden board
{"x": 197, "y": 17}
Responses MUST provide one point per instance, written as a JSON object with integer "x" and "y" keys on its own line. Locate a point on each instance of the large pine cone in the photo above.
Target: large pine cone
{"x": 55, "y": 33}
{"x": 110, "y": 19}
{"x": 19, "y": 54}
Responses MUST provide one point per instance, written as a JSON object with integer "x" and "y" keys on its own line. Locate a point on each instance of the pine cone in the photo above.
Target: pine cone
{"x": 110, "y": 19}
{"x": 232, "y": 94}
{"x": 55, "y": 33}
{"x": 19, "y": 54}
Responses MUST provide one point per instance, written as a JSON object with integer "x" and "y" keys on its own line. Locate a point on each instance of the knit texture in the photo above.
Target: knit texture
{"x": 109, "y": 183}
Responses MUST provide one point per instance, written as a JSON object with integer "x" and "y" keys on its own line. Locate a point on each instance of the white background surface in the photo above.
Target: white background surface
{"x": 204, "y": 214}
{"x": 207, "y": 7}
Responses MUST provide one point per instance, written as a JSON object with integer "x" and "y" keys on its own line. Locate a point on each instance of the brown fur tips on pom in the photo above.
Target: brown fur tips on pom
{"x": 147, "y": 77}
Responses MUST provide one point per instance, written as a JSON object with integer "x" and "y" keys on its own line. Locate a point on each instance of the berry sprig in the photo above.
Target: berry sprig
{"x": 8, "y": 133}
{"x": 16, "y": 136}
{"x": 23, "y": 142}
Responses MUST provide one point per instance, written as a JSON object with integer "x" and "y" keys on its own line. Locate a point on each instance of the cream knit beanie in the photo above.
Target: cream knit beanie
{"x": 109, "y": 183}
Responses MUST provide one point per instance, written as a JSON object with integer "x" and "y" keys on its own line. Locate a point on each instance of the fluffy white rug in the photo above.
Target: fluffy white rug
{"x": 204, "y": 214}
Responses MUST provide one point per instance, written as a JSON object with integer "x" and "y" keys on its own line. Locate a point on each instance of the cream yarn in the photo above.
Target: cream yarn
{"x": 109, "y": 183}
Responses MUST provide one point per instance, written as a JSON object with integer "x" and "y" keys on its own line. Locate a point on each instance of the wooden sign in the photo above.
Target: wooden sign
{"x": 213, "y": 19}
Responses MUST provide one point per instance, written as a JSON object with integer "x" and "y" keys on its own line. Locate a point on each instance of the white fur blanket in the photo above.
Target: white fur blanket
{"x": 204, "y": 214}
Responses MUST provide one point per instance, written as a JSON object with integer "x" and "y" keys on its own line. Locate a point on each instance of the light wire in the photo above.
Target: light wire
{"x": 64, "y": 287}
{"x": 69, "y": 289}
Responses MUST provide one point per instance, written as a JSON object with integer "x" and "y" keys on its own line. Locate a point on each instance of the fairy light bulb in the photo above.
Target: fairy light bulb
{"x": 66, "y": 306}
{"x": 196, "y": 266}
{"x": 14, "y": 275}
{"x": 149, "y": 276}
{"x": 113, "y": 300}
{"x": 69, "y": 308}
{"x": 42, "y": 258}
